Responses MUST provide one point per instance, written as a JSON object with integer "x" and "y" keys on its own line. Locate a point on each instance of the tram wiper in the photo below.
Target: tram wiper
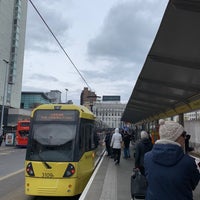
{"x": 46, "y": 165}
{"x": 44, "y": 162}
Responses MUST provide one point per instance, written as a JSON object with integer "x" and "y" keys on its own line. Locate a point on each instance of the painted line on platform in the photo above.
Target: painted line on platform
{"x": 11, "y": 174}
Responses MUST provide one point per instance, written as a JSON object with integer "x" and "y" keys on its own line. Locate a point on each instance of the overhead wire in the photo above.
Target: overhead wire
{"x": 60, "y": 45}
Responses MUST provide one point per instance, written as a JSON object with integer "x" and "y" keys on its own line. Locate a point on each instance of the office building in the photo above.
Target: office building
{"x": 88, "y": 98}
{"x": 30, "y": 100}
{"x": 54, "y": 95}
{"x": 13, "y": 14}
{"x": 109, "y": 111}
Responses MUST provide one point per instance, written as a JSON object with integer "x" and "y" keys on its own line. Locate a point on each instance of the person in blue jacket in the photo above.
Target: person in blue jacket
{"x": 171, "y": 174}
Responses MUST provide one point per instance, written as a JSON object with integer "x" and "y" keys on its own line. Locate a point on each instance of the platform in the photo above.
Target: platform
{"x": 112, "y": 182}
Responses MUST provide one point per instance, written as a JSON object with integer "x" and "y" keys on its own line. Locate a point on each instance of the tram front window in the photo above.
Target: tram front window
{"x": 52, "y": 142}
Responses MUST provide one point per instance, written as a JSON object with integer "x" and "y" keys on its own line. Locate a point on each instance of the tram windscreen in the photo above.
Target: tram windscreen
{"x": 52, "y": 142}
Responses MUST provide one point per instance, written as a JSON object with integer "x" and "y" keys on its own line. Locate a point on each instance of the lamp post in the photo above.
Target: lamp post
{"x": 4, "y": 97}
{"x": 66, "y": 94}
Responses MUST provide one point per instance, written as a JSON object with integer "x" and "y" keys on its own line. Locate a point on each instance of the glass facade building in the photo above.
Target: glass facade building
{"x": 30, "y": 100}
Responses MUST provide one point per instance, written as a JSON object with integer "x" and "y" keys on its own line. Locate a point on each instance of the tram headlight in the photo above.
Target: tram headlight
{"x": 29, "y": 169}
{"x": 69, "y": 171}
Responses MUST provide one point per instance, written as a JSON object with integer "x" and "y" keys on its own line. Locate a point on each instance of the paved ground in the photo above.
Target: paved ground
{"x": 112, "y": 182}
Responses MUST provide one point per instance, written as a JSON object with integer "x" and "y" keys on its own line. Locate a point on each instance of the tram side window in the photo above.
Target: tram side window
{"x": 81, "y": 141}
{"x": 86, "y": 140}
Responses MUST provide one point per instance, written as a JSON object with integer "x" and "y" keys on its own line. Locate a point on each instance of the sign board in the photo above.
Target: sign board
{"x": 10, "y": 139}
{"x": 111, "y": 98}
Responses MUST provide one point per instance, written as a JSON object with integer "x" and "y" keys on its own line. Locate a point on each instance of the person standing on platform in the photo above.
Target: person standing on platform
{"x": 1, "y": 139}
{"x": 170, "y": 173}
{"x": 126, "y": 140}
{"x": 116, "y": 143}
{"x": 143, "y": 146}
{"x": 187, "y": 146}
{"x": 107, "y": 141}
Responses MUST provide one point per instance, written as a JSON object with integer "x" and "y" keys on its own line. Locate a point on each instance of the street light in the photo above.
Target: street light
{"x": 66, "y": 94}
{"x": 4, "y": 97}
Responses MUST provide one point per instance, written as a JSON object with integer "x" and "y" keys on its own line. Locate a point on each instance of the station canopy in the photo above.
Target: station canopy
{"x": 169, "y": 82}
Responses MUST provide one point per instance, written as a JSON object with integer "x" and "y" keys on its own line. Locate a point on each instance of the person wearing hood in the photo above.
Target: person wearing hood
{"x": 143, "y": 146}
{"x": 170, "y": 173}
{"x": 116, "y": 143}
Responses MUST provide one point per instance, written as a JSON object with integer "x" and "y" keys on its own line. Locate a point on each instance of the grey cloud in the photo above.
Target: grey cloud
{"x": 113, "y": 72}
{"x": 41, "y": 77}
{"x": 34, "y": 89}
{"x": 38, "y": 36}
{"x": 124, "y": 41}
{"x": 127, "y": 32}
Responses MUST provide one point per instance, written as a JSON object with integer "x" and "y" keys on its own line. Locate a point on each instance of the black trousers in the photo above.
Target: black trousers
{"x": 117, "y": 155}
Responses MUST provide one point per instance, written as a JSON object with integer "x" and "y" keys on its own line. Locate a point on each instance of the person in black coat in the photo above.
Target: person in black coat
{"x": 187, "y": 146}
{"x": 107, "y": 141}
{"x": 143, "y": 146}
{"x": 1, "y": 139}
{"x": 126, "y": 140}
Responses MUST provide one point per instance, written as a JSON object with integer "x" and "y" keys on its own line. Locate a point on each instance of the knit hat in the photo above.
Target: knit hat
{"x": 144, "y": 134}
{"x": 170, "y": 130}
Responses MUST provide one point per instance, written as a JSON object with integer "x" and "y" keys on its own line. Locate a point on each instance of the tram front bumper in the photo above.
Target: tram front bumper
{"x": 51, "y": 187}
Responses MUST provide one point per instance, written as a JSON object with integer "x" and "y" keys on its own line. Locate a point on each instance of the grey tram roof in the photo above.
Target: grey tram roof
{"x": 169, "y": 82}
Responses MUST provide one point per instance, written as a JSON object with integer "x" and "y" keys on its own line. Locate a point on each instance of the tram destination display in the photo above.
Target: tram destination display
{"x": 55, "y": 115}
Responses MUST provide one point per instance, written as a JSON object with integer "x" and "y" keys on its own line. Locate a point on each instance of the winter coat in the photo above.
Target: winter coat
{"x": 170, "y": 173}
{"x": 126, "y": 139}
{"x": 107, "y": 138}
{"x": 116, "y": 140}
{"x": 143, "y": 146}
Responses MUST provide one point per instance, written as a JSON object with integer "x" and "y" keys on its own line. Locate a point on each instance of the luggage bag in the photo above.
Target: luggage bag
{"x": 138, "y": 185}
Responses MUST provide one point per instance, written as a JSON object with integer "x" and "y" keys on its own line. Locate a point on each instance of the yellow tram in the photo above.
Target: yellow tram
{"x": 61, "y": 150}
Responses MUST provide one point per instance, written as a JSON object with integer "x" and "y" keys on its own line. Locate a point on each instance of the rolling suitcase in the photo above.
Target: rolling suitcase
{"x": 138, "y": 185}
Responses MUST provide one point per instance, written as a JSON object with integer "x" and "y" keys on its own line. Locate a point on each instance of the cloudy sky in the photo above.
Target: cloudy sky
{"x": 107, "y": 40}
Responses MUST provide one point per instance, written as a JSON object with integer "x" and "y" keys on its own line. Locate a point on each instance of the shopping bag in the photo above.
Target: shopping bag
{"x": 138, "y": 184}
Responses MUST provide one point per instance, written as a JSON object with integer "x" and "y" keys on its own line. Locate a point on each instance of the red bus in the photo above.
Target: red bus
{"x": 22, "y": 132}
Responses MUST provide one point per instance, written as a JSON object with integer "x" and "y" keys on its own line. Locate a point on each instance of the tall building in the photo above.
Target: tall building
{"x": 13, "y": 14}
{"x": 88, "y": 98}
{"x": 108, "y": 112}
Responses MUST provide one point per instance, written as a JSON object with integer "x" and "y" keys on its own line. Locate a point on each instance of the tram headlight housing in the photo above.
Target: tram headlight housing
{"x": 69, "y": 171}
{"x": 29, "y": 169}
